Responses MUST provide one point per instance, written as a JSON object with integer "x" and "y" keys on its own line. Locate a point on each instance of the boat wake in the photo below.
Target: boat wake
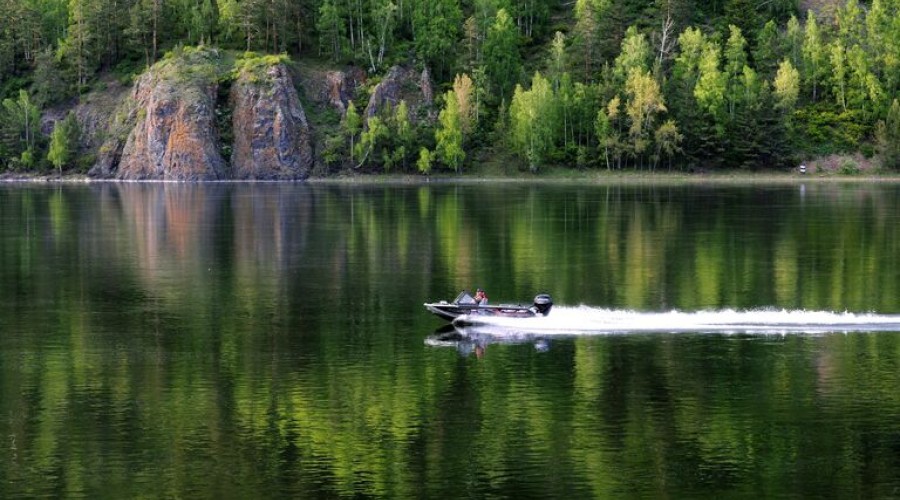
{"x": 585, "y": 320}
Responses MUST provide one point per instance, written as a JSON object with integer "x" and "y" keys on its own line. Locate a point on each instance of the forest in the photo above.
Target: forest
{"x": 683, "y": 85}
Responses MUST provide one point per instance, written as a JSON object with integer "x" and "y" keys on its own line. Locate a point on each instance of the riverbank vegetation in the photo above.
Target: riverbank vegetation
{"x": 591, "y": 84}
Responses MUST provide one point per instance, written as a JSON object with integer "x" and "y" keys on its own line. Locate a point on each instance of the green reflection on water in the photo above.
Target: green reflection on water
{"x": 266, "y": 340}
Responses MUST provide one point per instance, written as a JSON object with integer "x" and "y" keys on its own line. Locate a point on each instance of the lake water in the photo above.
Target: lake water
{"x": 269, "y": 340}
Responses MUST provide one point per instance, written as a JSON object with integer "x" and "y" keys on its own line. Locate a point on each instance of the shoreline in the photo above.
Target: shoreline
{"x": 553, "y": 177}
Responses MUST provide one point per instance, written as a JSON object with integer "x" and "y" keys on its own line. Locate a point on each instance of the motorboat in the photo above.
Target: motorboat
{"x": 465, "y": 306}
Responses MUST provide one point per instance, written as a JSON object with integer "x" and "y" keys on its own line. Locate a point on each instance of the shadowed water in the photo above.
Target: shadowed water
{"x": 269, "y": 340}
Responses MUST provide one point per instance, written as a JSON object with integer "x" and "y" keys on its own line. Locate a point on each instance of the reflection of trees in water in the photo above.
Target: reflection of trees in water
{"x": 234, "y": 332}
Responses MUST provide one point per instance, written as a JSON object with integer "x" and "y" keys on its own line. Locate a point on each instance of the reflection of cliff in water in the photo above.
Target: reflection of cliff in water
{"x": 193, "y": 237}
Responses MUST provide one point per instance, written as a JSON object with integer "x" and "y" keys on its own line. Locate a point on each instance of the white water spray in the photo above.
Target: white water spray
{"x": 585, "y": 320}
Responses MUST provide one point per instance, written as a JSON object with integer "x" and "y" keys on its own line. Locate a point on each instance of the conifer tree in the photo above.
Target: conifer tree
{"x": 888, "y": 135}
{"x": 502, "y": 61}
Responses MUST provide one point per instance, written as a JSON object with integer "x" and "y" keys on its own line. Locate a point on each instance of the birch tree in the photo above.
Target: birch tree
{"x": 449, "y": 135}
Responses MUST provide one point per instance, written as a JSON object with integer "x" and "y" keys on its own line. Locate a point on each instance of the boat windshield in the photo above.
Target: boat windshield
{"x": 464, "y": 298}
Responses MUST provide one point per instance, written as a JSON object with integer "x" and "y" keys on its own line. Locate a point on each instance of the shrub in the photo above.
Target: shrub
{"x": 849, "y": 167}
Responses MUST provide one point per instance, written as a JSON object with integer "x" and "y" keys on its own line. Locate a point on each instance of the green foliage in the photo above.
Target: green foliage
{"x": 255, "y": 65}
{"x": 351, "y": 126}
{"x": 668, "y": 141}
{"x": 49, "y": 79}
{"x": 586, "y": 38}
{"x": 644, "y": 101}
{"x": 768, "y": 49}
{"x": 793, "y": 42}
{"x": 424, "y": 161}
{"x": 634, "y": 54}
{"x": 371, "y": 139}
{"x": 825, "y": 129}
{"x": 334, "y": 149}
{"x": 503, "y": 63}
{"x": 435, "y": 26}
{"x": 787, "y": 86}
{"x": 20, "y": 126}
{"x": 849, "y": 167}
{"x": 332, "y": 37}
{"x": 449, "y": 135}
{"x": 888, "y": 136}
{"x": 814, "y": 55}
{"x": 63, "y": 142}
{"x": 603, "y": 129}
{"x": 533, "y": 120}
{"x": 402, "y": 135}
{"x": 711, "y": 82}
{"x": 741, "y": 77}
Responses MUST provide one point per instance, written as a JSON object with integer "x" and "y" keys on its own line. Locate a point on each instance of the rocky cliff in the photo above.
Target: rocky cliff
{"x": 204, "y": 114}
{"x": 401, "y": 84}
{"x": 169, "y": 129}
{"x": 271, "y": 133}
{"x": 169, "y": 126}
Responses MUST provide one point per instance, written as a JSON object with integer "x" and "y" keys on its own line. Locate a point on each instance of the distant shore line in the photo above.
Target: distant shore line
{"x": 552, "y": 177}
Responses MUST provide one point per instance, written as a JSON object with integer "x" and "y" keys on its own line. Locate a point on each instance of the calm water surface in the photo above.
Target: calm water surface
{"x": 269, "y": 340}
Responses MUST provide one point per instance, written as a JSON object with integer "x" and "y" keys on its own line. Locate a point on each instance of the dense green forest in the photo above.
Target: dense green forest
{"x": 595, "y": 84}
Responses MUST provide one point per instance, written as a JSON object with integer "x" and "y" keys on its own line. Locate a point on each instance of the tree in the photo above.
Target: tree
{"x": 813, "y": 54}
{"x": 557, "y": 60}
{"x": 49, "y": 82}
{"x": 604, "y": 131}
{"x": 530, "y": 15}
{"x": 768, "y": 49}
{"x": 888, "y": 136}
{"x": 668, "y": 141}
{"x": 533, "y": 121}
{"x": 424, "y": 161}
{"x": 787, "y": 87}
{"x": 143, "y": 28}
{"x": 635, "y": 54}
{"x": 449, "y": 134}
{"x": 848, "y": 19}
{"x": 644, "y": 101}
{"x": 501, "y": 55}
{"x": 883, "y": 40}
{"x": 472, "y": 38}
{"x": 586, "y": 37}
{"x": 331, "y": 29}
{"x": 63, "y": 142}
{"x": 402, "y": 134}
{"x": 22, "y": 121}
{"x": 793, "y": 41}
{"x": 691, "y": 43}
{"x": 351, "y": 124}
{"x": 839, "y": 73}
{"x": 735, "y": 62}
{"x": 611, "y": 141}
{"x": 435, "y": 24}
{"x": 567, "y": 107}
{"x": 711, "y": 83}
{"x": 864, "y": 89}
{"x": 370, "y": 139}
{"x": 463, "y": 89}
{"x": 384, "y": 13}
{"x": 78, "y": 46}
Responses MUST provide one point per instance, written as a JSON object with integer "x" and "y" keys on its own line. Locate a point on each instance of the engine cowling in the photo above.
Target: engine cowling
{"x": 543, "y": 303}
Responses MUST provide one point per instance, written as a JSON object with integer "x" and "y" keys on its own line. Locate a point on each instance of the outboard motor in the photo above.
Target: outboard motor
{"x": 543, "y": 303}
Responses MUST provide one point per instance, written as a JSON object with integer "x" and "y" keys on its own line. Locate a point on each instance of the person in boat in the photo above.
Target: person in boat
{"x": 480, "y": 297}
